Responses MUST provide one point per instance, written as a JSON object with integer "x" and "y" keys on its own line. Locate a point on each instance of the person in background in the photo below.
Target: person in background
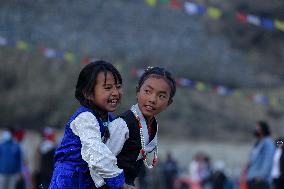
{"x": 170, "y": 171}
{"x": 46, "y": 152}
{"x": 277, "y": 172}
{"x": 10, "y": 161}
{"x": 219, "y": 177}
{"x": 261, "y": 158}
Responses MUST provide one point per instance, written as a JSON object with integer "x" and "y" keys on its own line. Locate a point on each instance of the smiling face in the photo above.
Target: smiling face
{"x": 107, "y": 93}
{"x": 153, "y": 96}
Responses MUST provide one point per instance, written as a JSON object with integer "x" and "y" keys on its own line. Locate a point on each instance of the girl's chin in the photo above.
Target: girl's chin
{"x": 147, "y": 115}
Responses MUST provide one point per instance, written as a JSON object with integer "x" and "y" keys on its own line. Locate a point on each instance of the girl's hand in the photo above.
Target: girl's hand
{"x": 126, "y": 186}
{"x": 155, "y": 162}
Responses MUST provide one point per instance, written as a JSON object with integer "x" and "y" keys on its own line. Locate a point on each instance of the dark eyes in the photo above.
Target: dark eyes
{"x": 147, "y": 91}
{"x": 162, "y": 96}
{"x": 118, "y": 86}
{"x": 109, "y": 87}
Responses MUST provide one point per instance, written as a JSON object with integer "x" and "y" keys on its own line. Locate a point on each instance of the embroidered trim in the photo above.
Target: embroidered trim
{"x": 142, "y": 151}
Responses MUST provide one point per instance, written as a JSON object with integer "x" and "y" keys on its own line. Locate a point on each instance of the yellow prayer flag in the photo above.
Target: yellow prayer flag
{"x": 214, "y": 12}
{"x": 118, "y": 67}
{"x": 200, "y": 86}
{"x": 274, "y": 102}
{"x": 21, "y": 45}
{"x": 151, "y": 3}
{"x": 69, "y": 57}
{"x": 238, "y": 93}
{"x": 279, "y": 25}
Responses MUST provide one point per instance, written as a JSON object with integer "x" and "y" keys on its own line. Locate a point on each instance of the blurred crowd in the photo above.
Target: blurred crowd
{"x": 15, "y": 171}
{"x": 264, "y": 169}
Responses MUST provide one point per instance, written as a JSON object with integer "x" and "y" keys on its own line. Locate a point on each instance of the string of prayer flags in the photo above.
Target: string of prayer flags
{"x": 214, "y": 13}
{"x": 45, "y": 51}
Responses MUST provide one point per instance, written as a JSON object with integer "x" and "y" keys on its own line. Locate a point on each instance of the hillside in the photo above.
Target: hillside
{"x": 37, "y": 91}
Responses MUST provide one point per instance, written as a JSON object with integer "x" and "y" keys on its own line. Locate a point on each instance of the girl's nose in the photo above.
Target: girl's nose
{"x": 115, "y": 92}
{"x": 152, "y": 99}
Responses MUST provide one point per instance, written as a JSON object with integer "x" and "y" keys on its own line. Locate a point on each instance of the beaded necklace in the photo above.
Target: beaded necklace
{"x": 142, "y": 151}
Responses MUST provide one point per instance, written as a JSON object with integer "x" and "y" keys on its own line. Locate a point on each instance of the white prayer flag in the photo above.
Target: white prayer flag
{"x": 191, "y": 8}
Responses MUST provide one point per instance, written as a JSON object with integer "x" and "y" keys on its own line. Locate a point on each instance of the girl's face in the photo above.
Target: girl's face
{"x": 153, "y": 96}
{"x": 107, "y": 93}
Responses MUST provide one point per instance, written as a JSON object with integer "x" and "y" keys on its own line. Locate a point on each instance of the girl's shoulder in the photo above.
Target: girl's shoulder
{"x": 128, "y": 117}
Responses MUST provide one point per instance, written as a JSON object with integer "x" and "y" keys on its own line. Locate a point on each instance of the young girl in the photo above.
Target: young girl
{"x": 98, "y": 90}
{"x": 133, "y": 135}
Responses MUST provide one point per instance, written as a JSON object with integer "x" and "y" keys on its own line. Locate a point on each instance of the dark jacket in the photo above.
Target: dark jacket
{"x": 126, "y": 159}
{"x": 10, "y": 157}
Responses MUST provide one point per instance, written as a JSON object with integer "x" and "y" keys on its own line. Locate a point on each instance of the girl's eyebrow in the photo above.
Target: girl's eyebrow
{"x": 149, "y": 86}
{"x": 163, "y": 92}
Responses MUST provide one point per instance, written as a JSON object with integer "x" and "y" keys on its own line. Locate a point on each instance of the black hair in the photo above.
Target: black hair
{"x": 88, "y": 77}
{"x": 264, "y": 127}
{"x": 150, "y": 71}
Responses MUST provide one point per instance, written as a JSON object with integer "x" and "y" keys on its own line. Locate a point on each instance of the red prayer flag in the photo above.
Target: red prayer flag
{"x": 175, "y": 4}
{"x": 85, "y": 60}
{"x": 242, "y": 18}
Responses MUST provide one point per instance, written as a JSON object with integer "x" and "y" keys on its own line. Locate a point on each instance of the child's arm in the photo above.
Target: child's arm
{"x": 95, "y": 152}
{"x": 119, "y": 133}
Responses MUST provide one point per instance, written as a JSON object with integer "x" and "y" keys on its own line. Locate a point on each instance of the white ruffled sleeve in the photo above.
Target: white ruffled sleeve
{"x": 94, "y": 151}
{"x": 119, "y": 133}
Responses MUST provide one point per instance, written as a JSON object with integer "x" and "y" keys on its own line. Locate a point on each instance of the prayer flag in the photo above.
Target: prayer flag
{"x": 242, "y": 18}
{"x": 190, "y": 8}
{"x": 214, "y": 13}
{"x": 3, "y": 41}
{"x": 69, "y": 57}
{"x": 151, "y": 3}
{"x": 49, "y": 53}
{"x": 184, "y": 82}
{"x": 200, "y": 86}
{"x": 201, "y": 9}
{"x": 118, "y": 67}
{"x": 267, "y": 23}
{"x": 253, "y": 20}
{"x": 279, "y": 25}
{"x": 175, "y": 4}
{"x": 85, "y": 60}
{"x": 273, "y": 101}
{"x": 21, "y": 45}
{"x": 222, "y": 90}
